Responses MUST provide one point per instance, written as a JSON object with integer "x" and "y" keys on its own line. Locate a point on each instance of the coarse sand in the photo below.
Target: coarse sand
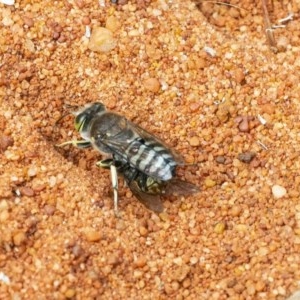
{"x": 212, "y": 82}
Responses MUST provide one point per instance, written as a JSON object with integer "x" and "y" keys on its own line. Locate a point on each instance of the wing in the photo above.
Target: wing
{"x": 177, "y": 186}
{"x": 152, "y": 202}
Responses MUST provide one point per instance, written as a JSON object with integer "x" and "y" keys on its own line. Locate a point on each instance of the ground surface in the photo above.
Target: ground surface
{"x": 201, "y": 78}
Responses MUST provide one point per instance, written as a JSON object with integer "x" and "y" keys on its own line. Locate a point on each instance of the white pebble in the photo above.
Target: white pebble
{"x": 52, "y": 181}
{"x": 278, "y": 191}
{"x": 8, "y": 2}
{"x": 32, "y": 171}
{"x": 210, "y": 51}
{"x": 4, "y": 278}
{"x": 87, "y": 31}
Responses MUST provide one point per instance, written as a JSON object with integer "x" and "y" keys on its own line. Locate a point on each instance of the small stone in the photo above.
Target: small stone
{"x": 255, "y": 162}
{"x": 32, "y": 171}
{"x": 101, "y": 40}
{"x": 141, "y": 262}
{"x": 92, "y": 235}
{"x": 28, "y": 21}
{"x": 262, "y": 251}
{"x": 70, "y": 293}
{"x": 143, "y": 231}
{"x": 194, "y": 141}
{"x": 241, "y": 227}
{"x": 86, "y": 20}
{"x": 164, "y": 217}
{"x": 282, "y": 43}
{"x": 209, "y": 183}
{"x": 268, "y": 108}
{"x": 3, "y": 205}
{"x": 49, "y": 210}
{"x": 278, "y": 191}
{"x": 5, "y": 142}
{"x": 138, "y": 274}
{"x": 152, "y": 85}
{"x": 194, "y": 106}
{"x": 181, "y": 273}
{"x": 4, "y": 215}
{"x": 260, "y": 286}
{"x": 220, "y": 159}
{"x": 220, "y": 227}
{"x": 239, "y": 76}
{"x": 244, "y": 125}
{"x": 11, "y": 155}
{"x": 246, "y": 157}
{"x": 19, "y": 238}
{"x": 26, "y": 191}
{"x": 223, "y": 115}
{"x": 52, "y": 181}
{"x": 112, "y": 24}
{"x": 225, "y": 110}
{"x": 80, "y": 3}
{"x": 235, "y": 211}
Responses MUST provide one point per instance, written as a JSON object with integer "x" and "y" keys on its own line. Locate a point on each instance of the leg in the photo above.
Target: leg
{"x": 114, "y": 181}
{"x": 79, "y": 144}
{"x": 111, "y": 164}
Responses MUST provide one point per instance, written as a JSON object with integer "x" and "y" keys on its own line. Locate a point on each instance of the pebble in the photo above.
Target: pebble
{"x": 10, "y": 155}
{"x": 268, "y": 108}
{"x": 3, "y": 205}
{"x": 26, "y": 191}
{"x": 225, "y": 110}
{"x": 70, "y": 293}
{"x": 220, "y": 227}
{"x": 19, "y": 238}
{"x": 278, "y": 191}
{"x": 235, "y": 211}
{"x": 143, "y": 231}
{"x": 194, "y": 141}
{"x": 244, "y": 125}
{"x": 152, "y": 84}
{"x": 32, "y": 171}
{"x": 181, "y": 272}
{"x": 86, "y": 20}
{"x": 246, "y": 157}
{"x": 49, "y": 210}
{"x": 220, "y": 159}
{"x": 52, "y": 181}
{"x": 239, "y": 76}
{"x": 92, "y": 235}
{"x": 112, "y": 24}
{"x": 141, "y": 261}
{"x": 5, "y": 142}
{"x": 209, "y": 182}
{"x": 4, "y": 215}
{"x": 101, "y": 40}
{"x": 28, "y": 21}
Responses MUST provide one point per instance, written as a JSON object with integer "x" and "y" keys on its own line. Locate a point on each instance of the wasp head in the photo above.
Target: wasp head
{"x": 85, "y": 115}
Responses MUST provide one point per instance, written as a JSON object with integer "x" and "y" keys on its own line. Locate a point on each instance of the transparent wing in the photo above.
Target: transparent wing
{"x": 152, "y": 202}
{"x": 177, "y": 186}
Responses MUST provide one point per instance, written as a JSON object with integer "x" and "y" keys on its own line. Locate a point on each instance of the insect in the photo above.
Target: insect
{"x": 138, "y": 155}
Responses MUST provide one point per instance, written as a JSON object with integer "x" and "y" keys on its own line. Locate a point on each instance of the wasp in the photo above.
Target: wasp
{"x": 145, "y": 162}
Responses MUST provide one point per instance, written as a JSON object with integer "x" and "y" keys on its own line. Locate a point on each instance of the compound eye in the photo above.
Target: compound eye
{"x": 79, "y": 121}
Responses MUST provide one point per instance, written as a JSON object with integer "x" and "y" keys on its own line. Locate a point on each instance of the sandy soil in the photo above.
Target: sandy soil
{"x": 205, "y": 80}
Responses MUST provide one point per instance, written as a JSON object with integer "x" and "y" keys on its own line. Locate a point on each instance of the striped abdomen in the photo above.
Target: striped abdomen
{"x": 151, "y": 158}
